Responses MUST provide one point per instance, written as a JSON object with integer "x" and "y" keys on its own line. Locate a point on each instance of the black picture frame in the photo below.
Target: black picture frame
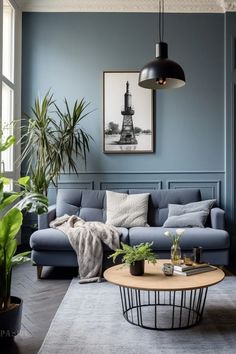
{"x": 127, "y": 129}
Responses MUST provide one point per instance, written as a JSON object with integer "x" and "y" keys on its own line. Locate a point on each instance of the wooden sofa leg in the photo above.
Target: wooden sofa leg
{"x": 39, "y": 271}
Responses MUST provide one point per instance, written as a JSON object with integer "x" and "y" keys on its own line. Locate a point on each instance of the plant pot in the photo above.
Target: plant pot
{"x": 137, "y": 268}
{"x": 10, "y": 320}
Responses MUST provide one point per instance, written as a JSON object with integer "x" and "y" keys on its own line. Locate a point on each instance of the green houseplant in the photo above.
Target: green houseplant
{"x": 52, "y": 144}
{"x": 134, "y": 256}
{"x": 11, "y": 207}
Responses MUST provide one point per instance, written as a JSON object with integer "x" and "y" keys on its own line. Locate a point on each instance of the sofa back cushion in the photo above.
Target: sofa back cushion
{"x": 90, "y": 205}
{"x": 159, "y": 200}
{"x": 87, "y": 204}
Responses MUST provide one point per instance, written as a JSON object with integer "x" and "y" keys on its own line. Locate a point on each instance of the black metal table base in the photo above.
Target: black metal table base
{"x": 163, "y": 310}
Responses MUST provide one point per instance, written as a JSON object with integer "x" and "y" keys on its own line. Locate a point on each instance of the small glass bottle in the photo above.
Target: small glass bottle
{"x": 176, "y": 254}
{"x": 197, "y": 254}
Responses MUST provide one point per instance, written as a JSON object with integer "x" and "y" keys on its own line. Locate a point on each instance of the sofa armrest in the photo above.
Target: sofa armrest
{"x": 45, "y": 219}
{"x": 218, "y": 218}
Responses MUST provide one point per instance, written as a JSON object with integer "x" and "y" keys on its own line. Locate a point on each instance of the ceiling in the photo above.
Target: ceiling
{"x": 188, "y": 6}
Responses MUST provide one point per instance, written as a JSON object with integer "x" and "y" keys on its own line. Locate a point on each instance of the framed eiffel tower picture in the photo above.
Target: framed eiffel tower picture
{"x": 127, "y": 114}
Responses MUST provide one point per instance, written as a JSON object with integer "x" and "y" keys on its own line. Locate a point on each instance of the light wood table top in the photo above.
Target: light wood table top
{"x": 154, "y": 279}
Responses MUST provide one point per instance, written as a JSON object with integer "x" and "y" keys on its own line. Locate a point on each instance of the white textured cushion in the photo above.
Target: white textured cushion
{"x": 127, "y": 210}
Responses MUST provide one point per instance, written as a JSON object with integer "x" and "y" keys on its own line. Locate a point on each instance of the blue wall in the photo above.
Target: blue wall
{"x": 68, "y": 52}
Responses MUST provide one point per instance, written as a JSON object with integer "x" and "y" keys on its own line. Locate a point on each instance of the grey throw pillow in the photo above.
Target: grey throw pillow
{"x": 189, "y": 215}
{"x": 127, "y": 210}
{"x": 178, "y": 209}
{"x": 195, "y": 219}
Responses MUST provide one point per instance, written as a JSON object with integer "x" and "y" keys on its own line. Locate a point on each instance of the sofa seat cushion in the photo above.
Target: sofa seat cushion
{"x": 207, "y": 238}
{"x": 56, "y": 240}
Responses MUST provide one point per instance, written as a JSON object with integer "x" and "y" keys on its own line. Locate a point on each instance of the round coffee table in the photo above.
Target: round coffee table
{"x": 156, "y": 301}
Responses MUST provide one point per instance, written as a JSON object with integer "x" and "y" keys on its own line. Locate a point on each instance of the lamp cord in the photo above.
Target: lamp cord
{"x": 161, "y": 20}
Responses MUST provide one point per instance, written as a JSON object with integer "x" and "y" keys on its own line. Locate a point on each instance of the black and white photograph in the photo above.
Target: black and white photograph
{"x": 127, "y": 114}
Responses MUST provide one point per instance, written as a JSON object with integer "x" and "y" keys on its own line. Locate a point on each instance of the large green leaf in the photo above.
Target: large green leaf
{"x": 8, "y": 200}
{"x": 5, "y": 180}
{"x": 20, "y": 258}
{"x": 1, "y": 190}
{"x": 24, "y": 181}
{"x": 9, "y": 142}
{"x": 11, "y": 247}
{"x": 10, "y": 224}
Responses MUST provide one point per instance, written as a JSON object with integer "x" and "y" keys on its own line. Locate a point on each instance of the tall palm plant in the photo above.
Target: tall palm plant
{"x": 51, "y": 145}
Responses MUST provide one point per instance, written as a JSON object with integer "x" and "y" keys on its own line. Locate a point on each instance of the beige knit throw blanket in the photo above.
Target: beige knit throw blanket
{"x": 86, "y": 238}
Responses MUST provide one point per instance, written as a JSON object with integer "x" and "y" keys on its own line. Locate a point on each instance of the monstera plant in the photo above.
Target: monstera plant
{"x": 11, "y": 206}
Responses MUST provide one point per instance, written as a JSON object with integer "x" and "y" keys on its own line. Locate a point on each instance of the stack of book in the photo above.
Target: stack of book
{"x": 193, "y": 269}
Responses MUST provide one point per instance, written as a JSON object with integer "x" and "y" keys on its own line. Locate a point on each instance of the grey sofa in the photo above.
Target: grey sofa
{"x": 51, "y": 247}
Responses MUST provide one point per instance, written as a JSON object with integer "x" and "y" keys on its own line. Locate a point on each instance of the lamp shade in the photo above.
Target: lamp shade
{"x": 161, "y": 73}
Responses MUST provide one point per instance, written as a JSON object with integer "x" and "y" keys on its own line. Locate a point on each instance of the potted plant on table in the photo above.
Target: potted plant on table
{"x": 134, "y": 256}
{"x": 11, "y": 207}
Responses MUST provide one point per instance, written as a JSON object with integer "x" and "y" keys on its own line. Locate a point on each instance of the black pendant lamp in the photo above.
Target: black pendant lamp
{"x": 161, "y": 73}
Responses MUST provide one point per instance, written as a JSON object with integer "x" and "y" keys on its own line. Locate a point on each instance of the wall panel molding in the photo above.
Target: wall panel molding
{"x": 211, "y": 184}
{"x": 76, "y": 184}
{"x": 209, "y": 189}
{"x": 149, "y": 185}
{"x": 143, "y": 172}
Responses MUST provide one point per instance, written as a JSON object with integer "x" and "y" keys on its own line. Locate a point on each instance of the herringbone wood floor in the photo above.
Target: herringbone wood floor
{"x": 41, "y": 301}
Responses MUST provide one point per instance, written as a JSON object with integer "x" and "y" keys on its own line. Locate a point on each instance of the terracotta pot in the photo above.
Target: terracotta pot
{"x": 137, "y": 268}
{"x": 10, "y": 320}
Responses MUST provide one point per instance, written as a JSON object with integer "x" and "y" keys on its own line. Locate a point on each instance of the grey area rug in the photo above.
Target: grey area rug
{"x": 89, "y": 321}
